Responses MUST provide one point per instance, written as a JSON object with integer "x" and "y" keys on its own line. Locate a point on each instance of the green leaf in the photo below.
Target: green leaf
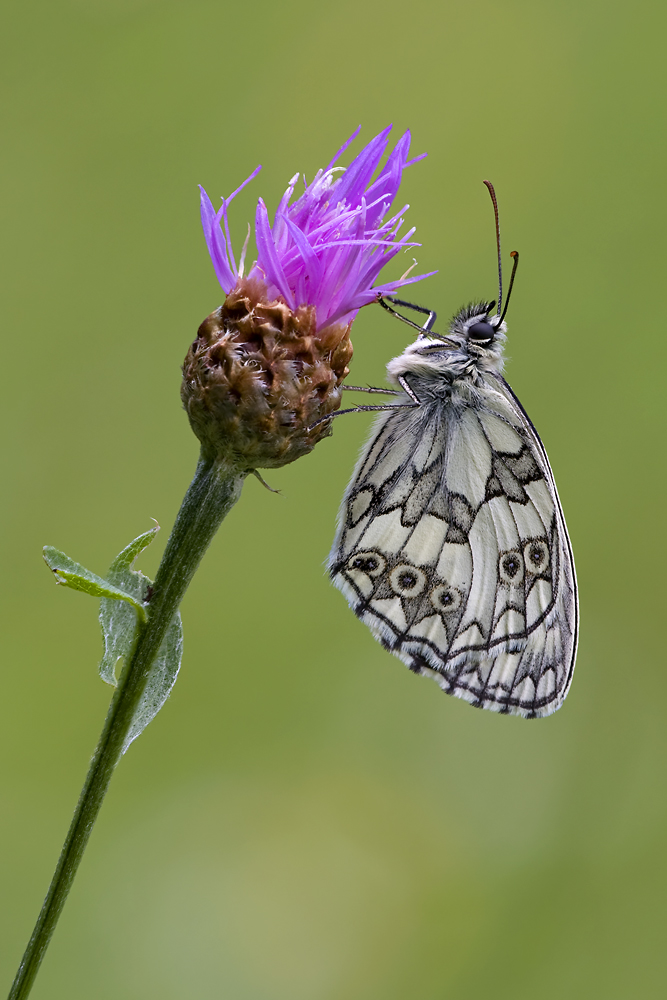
{"x": 125, "y": 600}
{"x": 119, "y": 629}
{"x": 161, "y": 680}
{"x": 72, "y": 574}
{"x": 118, "y": 622}
{"x": 123, "y": 561}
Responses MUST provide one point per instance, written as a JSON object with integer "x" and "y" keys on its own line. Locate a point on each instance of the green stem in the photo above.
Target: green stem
{"x": 211, "y": 495}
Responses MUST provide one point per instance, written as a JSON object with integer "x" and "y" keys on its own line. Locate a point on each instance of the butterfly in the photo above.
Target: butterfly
{"x": 451, "y": 543}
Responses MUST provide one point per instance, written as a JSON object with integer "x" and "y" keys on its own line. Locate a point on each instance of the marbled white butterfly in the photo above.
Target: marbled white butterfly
{"x": 451, "y": 542}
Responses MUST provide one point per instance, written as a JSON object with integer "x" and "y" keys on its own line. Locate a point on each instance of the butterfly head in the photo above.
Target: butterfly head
{"x": 474, "y": 343}
{"x": 476, "y": 331}
{"x": 476, "y": 326}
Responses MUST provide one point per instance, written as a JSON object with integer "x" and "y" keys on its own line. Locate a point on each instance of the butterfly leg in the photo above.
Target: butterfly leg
{"x": 428, "y": 325}
{"x": 371, "y": 388}
{"x": 406, "y": 387}
{"x": 363, "y": 409}
{"x": 431, "y": 313}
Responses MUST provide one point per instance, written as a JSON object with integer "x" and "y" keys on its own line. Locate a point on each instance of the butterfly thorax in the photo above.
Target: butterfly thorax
{"x": 438, "y": 365}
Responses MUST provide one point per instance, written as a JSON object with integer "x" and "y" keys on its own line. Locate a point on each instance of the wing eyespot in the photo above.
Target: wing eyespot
{"x": 536, "y": 556}
{"x": 407, "y": 581}
{"x": 371, "y": 563}
{"x": 510, "y": 568}
{"x": 446, "y": 598}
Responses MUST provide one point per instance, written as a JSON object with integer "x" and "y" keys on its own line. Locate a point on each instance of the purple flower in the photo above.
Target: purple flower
{"x": 329, "y": 246}
{"x": 267, "y": 367}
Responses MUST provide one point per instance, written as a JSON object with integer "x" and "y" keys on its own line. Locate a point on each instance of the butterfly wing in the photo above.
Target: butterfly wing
{"x": 452, "y": 548}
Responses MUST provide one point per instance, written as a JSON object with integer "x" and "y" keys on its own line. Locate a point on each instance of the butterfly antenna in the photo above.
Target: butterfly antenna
{"x": 515, "y": 264}
{"x": 500, "y": 264}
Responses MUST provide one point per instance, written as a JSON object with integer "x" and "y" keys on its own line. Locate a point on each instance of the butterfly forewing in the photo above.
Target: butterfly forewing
{"x": 452, "y": 548}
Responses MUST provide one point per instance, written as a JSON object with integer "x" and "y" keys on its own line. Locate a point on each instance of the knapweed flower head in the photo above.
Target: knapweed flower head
{"x": 270, "y": 361}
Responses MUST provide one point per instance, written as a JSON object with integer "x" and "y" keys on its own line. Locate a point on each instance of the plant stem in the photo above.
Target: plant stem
{"x": 210, "y": 496}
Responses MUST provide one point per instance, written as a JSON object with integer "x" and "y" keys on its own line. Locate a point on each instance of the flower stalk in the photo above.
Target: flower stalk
{"x": 213, "y": 492}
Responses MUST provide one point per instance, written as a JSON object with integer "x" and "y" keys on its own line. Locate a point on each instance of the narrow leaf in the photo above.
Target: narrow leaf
{"x": 125, "y": 558}
{"x": 72, "y": 574}
{"x": 119, "y": 628}
{"x": 118, "y": 622}
{"x": 160, "y": 680}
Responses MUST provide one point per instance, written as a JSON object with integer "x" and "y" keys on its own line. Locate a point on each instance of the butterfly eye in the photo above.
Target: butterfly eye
{"x": 371, "y": 563}
{"x": 446, "y": 598}
{"x": 481, "y": 333}
{"x": 407, "y": 581}
{"x": 536, "y": 555}
{"x": 511, "y": 567}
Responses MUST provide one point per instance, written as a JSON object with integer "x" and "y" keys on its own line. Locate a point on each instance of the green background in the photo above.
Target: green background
{"x": 306, "y": 820}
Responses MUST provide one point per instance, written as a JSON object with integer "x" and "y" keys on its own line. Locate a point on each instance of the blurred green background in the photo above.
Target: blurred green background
{"x": 306, "y": 820}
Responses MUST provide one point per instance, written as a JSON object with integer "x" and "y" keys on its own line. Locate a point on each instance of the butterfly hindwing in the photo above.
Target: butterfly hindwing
{"x": 452, "y": 548}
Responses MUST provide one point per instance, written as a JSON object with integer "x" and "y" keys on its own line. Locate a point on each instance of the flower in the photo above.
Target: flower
{"x": 270, "y": 361}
